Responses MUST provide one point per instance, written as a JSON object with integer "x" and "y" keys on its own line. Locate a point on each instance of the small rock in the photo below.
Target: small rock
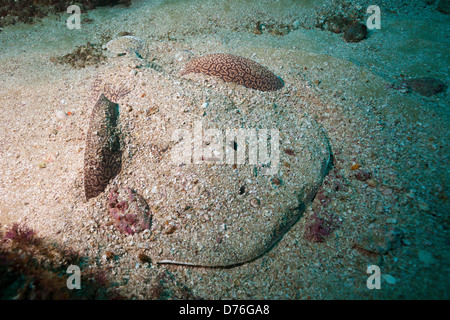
{"x": 372, "y": 183}
{"x": 124, "y": 33}
{"x": 42, "y": 165}
{"x": 255, "y": 202}
{"x": 355, "y": 32}
{"x": 406, "y": 242}
{"x": 388, "y": 278}
{"x": 363, "y": 175}
{"x": 276, "y": 181}
{"x": 424, "y": 206}
{"x": 170, "y": 229}
{"x": 109, "y": 255}
{"x": 444, "y": 6}
{"x": 403, "y": 90}
{"x": 387, "y": 191}
{"x": 151, "y": 110}
{"x": 196, "y": 189}
{"x": 391, "y": 220}
{"x": 296, "y": 25}
{"x": 411, "y": 194}
{"x": 144, "y": 258}
{"x": 289, "y": 152}
{"x": 51, "y": 157}
{"x": 355, "y": 166}
{"x": 61, "y": 115}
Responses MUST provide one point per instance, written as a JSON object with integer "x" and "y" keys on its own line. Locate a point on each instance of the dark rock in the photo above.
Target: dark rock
{"x": 444, "y": 6}
{"x": 124, "y": 33}
{"x": 425, "y": 86}
{"x": 363, "y": 175}
{"x": 355, "y": 32}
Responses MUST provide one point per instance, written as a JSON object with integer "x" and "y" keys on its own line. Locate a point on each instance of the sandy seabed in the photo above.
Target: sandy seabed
{"x": 397, "y": 219}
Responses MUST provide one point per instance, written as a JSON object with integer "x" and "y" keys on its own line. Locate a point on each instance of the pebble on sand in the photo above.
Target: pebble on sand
{"x": 255, "y": 202}
{"x": 389, "y": 279}
{"x": 424, "y": 206}
{"x": 372, "y": 183}
{"x": 425, "y": 86}
{"x": 61, "y": 115}
{"x": 391, "y": 220}
{"x": 51, "y": 157}
{"x": 363, "y": 175}
{"x": 355, "y": 32}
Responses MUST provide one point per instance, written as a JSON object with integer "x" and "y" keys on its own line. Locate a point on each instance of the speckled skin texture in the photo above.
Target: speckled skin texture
{"x": 102, "y": 159}
{"x": 232, "y": 68}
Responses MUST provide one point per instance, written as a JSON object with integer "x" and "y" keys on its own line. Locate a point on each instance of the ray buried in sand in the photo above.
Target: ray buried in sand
{"x": 215, "y": 146}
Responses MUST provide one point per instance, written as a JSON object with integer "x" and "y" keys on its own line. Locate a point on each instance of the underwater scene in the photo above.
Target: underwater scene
{"x": 224, "y": 150}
